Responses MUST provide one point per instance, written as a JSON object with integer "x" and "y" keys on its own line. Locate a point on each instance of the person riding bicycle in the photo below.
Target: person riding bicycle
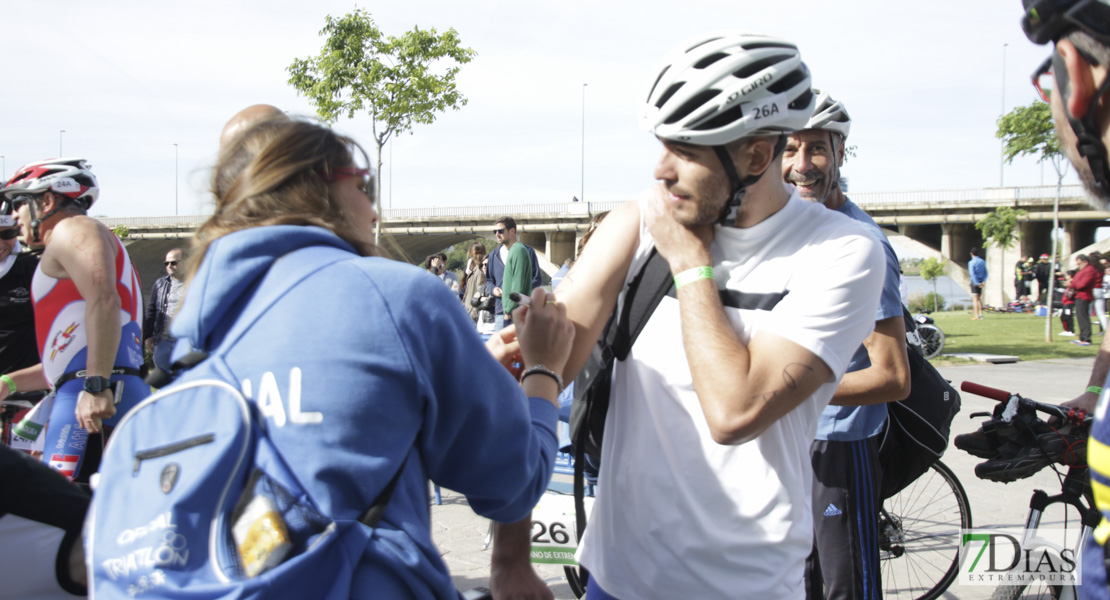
{"x": 356, "y": 401}
{"x": 1080, "y": 33}
{"x": 704, "y": 486}
{"x": 88, "y": 312}
{"x": 845, "y": 453}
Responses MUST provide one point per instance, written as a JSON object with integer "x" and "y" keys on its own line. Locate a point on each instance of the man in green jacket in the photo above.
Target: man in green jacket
{"x": 518, "y": 275}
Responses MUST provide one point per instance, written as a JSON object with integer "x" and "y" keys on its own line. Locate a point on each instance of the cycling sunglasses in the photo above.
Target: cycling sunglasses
{"x": 13, "y": 203}
{"x": 9, "y": 234}
{"x": 1044, "y": 80}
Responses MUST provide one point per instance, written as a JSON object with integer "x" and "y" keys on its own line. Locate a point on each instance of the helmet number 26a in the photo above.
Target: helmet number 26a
{"x": 765, "y": 110}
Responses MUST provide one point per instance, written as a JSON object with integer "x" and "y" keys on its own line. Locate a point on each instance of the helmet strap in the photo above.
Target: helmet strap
{"x": 37, "y": 221}
{"x": 739, "y": 186}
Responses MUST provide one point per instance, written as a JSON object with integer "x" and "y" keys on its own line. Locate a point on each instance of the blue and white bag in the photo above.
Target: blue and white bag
{"x": 194, "y": 501}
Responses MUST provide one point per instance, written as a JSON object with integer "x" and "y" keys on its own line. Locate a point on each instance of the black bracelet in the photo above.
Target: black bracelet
{"x": 542, "y": 370}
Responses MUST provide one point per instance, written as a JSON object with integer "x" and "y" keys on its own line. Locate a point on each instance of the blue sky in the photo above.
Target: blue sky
{"x": 127, "y": 80}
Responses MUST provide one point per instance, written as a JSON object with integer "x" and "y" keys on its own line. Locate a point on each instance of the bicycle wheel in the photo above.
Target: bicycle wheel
{"x": 932, "y": 340}
{"x": 919, "y": 535}
{"x": 1034, "y": 592}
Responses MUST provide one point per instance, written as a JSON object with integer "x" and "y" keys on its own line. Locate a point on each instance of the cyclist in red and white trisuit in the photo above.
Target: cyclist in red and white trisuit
{"x": 88, "y": 308}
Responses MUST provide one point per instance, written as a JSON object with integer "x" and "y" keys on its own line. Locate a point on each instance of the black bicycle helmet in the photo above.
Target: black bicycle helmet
{"x": 1049, "y": 20}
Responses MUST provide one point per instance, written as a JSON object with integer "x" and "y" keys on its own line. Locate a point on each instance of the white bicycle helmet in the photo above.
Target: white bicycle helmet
{"x": 67, "y": 177}
{"x": 723, "y": 86}
{"x": 829, "y": 115}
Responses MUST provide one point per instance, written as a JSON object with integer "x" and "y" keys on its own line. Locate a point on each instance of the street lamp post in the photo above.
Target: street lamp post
{"x": 582, "y": 176}
{"x": 175, "y": 180}
{"x": 60, "y": 142}
{"x": 1002, "y": 151}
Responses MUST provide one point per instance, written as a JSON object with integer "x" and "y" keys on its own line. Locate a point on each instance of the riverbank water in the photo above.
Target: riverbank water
{"x": 947, "y": 287}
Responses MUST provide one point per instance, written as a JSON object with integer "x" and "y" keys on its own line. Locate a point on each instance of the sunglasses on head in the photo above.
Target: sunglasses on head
{"x": 9, "y": 234}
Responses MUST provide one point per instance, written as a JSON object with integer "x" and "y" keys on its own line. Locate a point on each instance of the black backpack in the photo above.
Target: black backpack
{"x": 917, "y": 429}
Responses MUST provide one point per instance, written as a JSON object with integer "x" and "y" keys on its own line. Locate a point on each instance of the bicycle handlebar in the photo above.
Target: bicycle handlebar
{"x": 1077, "y": 416}
{"x": 984, "y": 391}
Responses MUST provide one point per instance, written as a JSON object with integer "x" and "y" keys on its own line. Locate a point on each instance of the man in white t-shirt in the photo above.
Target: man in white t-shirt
{"x": 704, "y": 486}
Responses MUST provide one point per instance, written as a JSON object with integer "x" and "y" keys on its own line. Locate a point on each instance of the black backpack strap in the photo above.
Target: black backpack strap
{"x": 656, "y": 281}
{"x": 373, "y": 515}
{"x": 644, "y": 294}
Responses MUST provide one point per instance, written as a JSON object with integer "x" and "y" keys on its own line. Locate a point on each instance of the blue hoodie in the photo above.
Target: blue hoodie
{"x": 387, "y": 357}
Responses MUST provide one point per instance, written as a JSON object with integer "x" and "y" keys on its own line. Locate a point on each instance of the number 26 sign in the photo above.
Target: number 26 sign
{"x": 553, "y": 530}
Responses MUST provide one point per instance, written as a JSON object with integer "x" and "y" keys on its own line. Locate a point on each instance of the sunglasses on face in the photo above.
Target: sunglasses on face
{"x": 1044, "y": 80}
{"x": 499, "y": 231}
{"x": 347, "y": 172}
{"x": 20, "y": 200}
{"x": 171, "y": 262}
{"x": 9, "y": 234}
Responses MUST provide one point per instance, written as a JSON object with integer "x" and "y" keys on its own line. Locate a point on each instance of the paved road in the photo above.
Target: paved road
{"x": 460, "y": 534}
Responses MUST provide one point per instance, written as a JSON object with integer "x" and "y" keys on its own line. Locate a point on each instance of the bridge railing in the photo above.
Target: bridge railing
{"x": 402, "y": 215}
{"x": 968, "y": 196}
{"x": 571, "y": 210}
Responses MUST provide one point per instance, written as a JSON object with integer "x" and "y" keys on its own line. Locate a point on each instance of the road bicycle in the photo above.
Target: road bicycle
{"x": 919, "y": 530}
{"x": 928, "y": 337}
{"x": 919, "y": 535}
{"x": 1017, "y": 412}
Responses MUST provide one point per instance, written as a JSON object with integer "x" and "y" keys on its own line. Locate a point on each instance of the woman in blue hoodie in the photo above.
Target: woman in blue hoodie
{"x": 364, "y": 367}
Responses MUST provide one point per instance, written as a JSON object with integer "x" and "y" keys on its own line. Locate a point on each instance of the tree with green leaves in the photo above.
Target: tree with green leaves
{"x": 399, "y": 81}
{"x": 1030, "y": 131}
{"x": 999, "y": 227}
{"x": 931, "y": 270}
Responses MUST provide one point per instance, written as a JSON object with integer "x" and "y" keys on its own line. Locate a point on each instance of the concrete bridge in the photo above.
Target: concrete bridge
{"x": 937, "y": 223}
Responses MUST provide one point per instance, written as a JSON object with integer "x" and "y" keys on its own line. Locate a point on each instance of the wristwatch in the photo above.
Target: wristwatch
{"x": 95, "y": 385}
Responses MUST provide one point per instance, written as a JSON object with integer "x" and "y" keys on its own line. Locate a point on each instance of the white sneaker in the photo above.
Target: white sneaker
{"x": 1067, "y": 333}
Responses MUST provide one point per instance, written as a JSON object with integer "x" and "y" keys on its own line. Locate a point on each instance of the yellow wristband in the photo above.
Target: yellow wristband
{"x": 691, "y": 275}
{"x": 10, "y": 382}
{"x": 1094, "y": 389}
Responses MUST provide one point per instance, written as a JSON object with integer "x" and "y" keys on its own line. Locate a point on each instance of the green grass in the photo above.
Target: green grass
{"x": 1009, "y": 333}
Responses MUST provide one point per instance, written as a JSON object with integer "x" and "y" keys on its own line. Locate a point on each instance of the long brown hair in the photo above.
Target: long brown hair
{"x": 476, "y": 253}
{"x": 276, "y": 173}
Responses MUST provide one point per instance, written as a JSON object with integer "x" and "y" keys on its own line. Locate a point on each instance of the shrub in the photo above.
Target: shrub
{"x": 924, "y": 301}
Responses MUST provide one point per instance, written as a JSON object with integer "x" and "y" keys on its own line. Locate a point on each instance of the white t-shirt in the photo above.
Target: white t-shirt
{"x": 680, "y": 516}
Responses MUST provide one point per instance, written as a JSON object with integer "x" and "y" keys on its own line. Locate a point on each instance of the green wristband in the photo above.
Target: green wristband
{"x": 1094, "y": 389}
{"x": 691, "y": 275}
{"x": 10, "y": 382}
